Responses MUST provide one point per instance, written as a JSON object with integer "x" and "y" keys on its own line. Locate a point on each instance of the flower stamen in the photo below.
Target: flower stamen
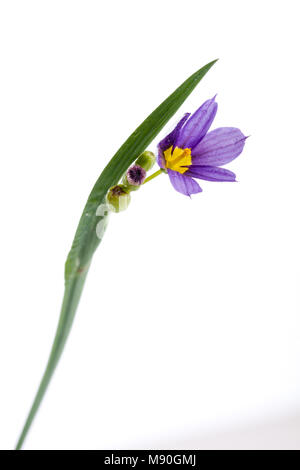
{"x": 178, "y": 159}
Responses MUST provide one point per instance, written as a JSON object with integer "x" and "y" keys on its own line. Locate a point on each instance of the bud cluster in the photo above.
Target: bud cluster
{"x": 118, "y": 196}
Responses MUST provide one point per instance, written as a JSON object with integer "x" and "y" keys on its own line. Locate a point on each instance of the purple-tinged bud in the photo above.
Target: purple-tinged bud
{"x": 146, "y": 160}
{"x": 118, "y": 198}
{"x": 134, "y": 177}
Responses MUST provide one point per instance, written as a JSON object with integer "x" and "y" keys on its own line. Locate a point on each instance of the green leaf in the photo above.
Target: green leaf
{"x": 86, "y": 240}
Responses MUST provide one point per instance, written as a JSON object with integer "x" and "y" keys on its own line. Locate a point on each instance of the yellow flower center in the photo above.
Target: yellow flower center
{"x": 178, "y": 159}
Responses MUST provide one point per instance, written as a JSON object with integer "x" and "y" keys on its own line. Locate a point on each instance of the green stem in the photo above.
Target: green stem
{"x": 158, "y": 172}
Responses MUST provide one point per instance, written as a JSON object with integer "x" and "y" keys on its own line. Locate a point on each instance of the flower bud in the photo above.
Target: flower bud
{"x": 118, "y": 198}
{"x": 134, "y": 177}
{"x": 146, "y": 160}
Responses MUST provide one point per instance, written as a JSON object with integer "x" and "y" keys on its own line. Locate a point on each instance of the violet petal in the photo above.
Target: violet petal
{"x": 210, "y": 173}
{"x": 197, "y": 126}
{"x": 183, "y": 184}
{"x": 169, "y": 140}
{"x": 219, "y": 147}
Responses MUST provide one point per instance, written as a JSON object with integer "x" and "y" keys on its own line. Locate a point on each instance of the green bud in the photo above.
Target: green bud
{"x": 118, "y": 198}
{"x": 146, "y": 160}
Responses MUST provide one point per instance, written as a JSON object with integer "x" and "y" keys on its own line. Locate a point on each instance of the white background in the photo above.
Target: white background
{"x": 189, "y": 323}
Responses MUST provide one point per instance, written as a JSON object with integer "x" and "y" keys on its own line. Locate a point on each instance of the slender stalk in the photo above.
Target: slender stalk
{"x": 158, "y": 172}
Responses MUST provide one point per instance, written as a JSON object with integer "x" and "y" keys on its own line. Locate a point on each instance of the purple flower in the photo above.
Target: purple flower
{"x": 190, "y": 152}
